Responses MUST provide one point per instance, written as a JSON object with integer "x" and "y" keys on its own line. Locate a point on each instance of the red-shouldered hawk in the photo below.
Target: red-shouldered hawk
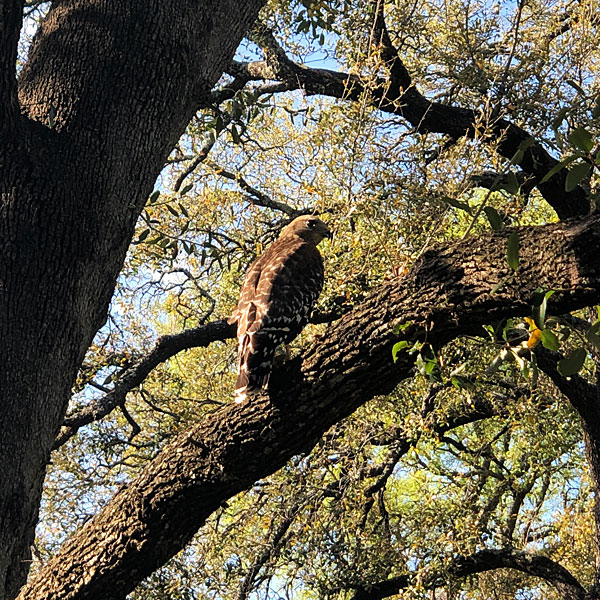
{"x": 278, "y": 294}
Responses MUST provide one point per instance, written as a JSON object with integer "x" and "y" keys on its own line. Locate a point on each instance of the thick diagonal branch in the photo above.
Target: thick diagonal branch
{"x": 452, "y": 291}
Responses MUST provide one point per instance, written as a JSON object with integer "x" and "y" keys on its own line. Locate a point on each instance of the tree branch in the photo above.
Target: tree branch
{"x": 272, "y": 548}
{"x": 451, "y": 291}
{"x": 255, "y": 196}
{"x": 166, "y": 347}
{"x": 480, "y": 562}
{"x": 207, "y": 142}
{"x": 583, "y": 395}
{"x": 399, "y": 96}
{"x": 399, "y": 76}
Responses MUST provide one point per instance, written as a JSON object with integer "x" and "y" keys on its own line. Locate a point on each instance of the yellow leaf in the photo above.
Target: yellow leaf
{"x": 535, "y": 336}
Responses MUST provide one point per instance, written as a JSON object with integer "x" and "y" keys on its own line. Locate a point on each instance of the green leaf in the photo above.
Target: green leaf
{"x": 457, "y": 204}
{"x": 186, "y": 189}
{"x": 430, "y": 367}
{"x": 512, "y": 250}
{"x": 142, "y": 236}
{"x": 494, "y": 218}
{"x": 560, "y": 117}
{"x": 401, "y": 327}
{"x": 576, "y": 174}
{"x": 512, "y": 183}
{"x": 596, "y": 109}
{"x": 211, "y": 136}
{"x": 397, "y": 348}
{"x": 549, "y": 340}
{"x": 235, "y": 135}
{"x": 582, "y": 139}
{"x": 592, "y": 334}
{"x": 460, "y": 383}
{"x": 421, "y": 364}
{"x": 538, "y": 297}
{"x": 572, "y": 365}
{"x": 520, "y": 153}
{"x": 52, "y": 117}
{"x": 539, "y": 313}
{"x": 183, "y": 210}
{"x": 499, "y": 285}
{"x": 508, "y": 326}
{"x": 172, "y": 210}
{"x": 565, "y": 334}
{"x": 535, "y": 372}
{"x": 539, "y": 308}
{"x": 236, "y": 109}
{"x": 558, "y": 167}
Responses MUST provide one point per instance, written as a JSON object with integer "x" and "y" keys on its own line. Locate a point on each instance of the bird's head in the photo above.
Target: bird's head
{"x": 309, "y": 228}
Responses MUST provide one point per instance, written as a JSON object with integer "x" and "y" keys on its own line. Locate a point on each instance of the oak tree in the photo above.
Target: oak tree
{"x": 440, "y": 420}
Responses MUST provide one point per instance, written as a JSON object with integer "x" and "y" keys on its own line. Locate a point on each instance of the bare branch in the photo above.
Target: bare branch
{"x": 255, "y": 196}
{"x": 166, "y": 347}
{"x": 207, "y": 142}
{"x": 271, "y": 549}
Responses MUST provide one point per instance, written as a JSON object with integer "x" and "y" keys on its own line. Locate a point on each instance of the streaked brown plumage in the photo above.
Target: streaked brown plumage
{"x": 279, "y": 292}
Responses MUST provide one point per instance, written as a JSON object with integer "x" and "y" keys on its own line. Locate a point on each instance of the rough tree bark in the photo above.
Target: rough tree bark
{"x": 448, "y": 293}
{"x": 107, "y": 90}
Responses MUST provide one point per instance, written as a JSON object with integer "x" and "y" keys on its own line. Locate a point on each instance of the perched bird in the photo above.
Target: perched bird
{"x": 277, "y": 296}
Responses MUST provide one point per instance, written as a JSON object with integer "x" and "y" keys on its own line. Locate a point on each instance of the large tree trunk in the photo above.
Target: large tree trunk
{"x": 108, "y": 88}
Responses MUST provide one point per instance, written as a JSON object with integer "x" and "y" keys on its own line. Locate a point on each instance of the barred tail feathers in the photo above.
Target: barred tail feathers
{"x": 255, "y": 362}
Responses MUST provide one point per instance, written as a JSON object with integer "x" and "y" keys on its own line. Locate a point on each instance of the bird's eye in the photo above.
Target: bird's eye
{"x": 312, "y": 224}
